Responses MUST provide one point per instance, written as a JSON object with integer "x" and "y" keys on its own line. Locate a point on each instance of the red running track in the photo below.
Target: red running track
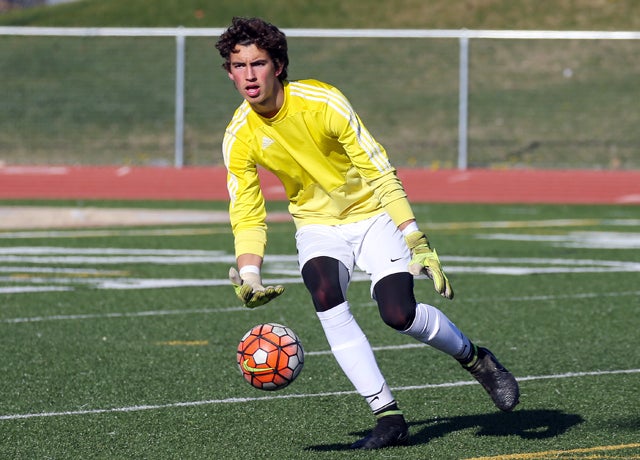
{"x": 422, "y": 185}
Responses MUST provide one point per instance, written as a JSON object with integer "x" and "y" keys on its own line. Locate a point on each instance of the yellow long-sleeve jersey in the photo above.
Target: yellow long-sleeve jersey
{"x": 332, "y": 169}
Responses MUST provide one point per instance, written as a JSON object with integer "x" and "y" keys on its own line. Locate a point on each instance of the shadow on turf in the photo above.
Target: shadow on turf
{"x": 527, "y": 424}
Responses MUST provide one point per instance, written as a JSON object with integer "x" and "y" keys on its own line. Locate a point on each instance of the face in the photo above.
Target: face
{"x": 255, "y": 76}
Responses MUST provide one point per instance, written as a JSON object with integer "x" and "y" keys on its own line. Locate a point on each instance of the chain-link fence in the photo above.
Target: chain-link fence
{"x": 547, "y": 103}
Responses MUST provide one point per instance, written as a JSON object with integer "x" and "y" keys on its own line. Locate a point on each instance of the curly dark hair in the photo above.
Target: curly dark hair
{"x": 254, "y": 31}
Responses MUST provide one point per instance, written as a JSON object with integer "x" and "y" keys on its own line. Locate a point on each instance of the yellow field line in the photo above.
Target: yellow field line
{"x": 560, "y": 453}
{"x": 514, "y": 224}
{"x": 189, "y": 343}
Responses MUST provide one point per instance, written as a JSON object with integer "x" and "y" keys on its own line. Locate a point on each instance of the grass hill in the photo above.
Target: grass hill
{"x": 440, "y": 14}
{"x": 537, "y": 103}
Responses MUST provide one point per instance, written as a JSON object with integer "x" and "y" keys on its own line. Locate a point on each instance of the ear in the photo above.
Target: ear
{"x": 279, "y": 68}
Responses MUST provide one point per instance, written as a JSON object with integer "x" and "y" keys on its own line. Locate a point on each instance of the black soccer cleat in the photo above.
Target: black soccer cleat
{"x": 391, "y": 430}
{"x": 496, "y": 380}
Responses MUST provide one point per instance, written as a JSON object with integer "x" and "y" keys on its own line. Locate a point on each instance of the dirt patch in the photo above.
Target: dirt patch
{"x": 14, "y": 217}
{"x": 29, "y": 217}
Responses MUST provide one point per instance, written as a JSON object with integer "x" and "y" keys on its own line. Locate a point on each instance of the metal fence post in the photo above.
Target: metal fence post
{"x": 179, "y": 116}
{"x": 463, "y": 103}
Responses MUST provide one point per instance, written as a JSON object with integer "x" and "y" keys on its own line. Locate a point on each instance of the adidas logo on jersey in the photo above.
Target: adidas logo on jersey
{"x": 266, "y": 142}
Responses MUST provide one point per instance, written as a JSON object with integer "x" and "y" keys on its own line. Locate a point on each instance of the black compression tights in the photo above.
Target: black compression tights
{"x": 327, "y": 280}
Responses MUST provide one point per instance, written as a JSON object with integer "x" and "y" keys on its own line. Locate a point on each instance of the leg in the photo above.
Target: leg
{"x": 399, "y": 309}
{"x": 429, "y": 325}
{"x": 396, "y": 301}
{"x": 327, "y": 279}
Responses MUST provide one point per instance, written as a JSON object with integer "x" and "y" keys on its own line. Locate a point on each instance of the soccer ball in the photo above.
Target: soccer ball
{"x": 270, "y": 356}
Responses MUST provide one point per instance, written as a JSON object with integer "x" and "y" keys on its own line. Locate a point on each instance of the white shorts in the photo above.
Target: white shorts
{"x": 374, "y": 245}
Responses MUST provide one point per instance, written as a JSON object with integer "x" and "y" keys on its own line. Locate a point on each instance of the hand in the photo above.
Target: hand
{"x": 250, "y": 290}
{"x": 424, "y": 260}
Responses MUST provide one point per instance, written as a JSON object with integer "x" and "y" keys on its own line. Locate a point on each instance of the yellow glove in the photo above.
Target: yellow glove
{"x": 424, "y": 260}
{"x": 250, "y": 290}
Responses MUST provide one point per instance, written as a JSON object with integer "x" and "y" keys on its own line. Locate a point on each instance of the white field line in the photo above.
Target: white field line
{"x": 20, "y": 278}
{"x": 39, "y": 250}
{"x": 101, "y": 256}
{"x": 110, "y": 233}
{"x": 23, "y": 289}
{"x": 37, "y": 319}
{"x": 295, "y": 396}
{"x": 286, "y": 265}
{"x": 191, "y": 311}
{"x": 583, "y": 239}
{"x": 84, "y": 233}
{"x": 283, "y": 266}
{"x": 69, "y": 271}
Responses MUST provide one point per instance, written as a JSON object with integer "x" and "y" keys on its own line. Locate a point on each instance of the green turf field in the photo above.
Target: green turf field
{"x": 120, "y": 343}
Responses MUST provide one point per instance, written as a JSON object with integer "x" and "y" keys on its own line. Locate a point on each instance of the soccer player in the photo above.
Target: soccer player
{"x": 350, "y": 209}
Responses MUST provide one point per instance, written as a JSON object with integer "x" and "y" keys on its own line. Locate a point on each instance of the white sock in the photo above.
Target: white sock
{"x": 351, "y": 349}
{"x": 432, "y": 327}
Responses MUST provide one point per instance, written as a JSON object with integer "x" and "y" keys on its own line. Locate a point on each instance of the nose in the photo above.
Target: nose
{"x": 250, "y": 74}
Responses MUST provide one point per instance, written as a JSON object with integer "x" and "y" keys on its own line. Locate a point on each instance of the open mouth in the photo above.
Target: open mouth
{"x": 252, "y": 91}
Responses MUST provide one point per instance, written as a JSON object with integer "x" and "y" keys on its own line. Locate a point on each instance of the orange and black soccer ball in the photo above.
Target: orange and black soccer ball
{"x": 270, "y": 356}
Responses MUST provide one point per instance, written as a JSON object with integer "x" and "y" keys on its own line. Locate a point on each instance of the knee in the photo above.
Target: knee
{"x": 327, "y": 298}
{"x": 324, "y": 278}
{"x": 398, "y": 317}
{"x": 396, "y": 301}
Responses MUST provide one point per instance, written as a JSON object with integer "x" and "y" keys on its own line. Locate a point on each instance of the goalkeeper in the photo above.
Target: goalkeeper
{"x": 350, "y": 209}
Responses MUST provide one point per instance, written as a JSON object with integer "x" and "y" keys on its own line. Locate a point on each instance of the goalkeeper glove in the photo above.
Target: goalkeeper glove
{"x": 250, "y": 290}
{"x": 424, "y": 260}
